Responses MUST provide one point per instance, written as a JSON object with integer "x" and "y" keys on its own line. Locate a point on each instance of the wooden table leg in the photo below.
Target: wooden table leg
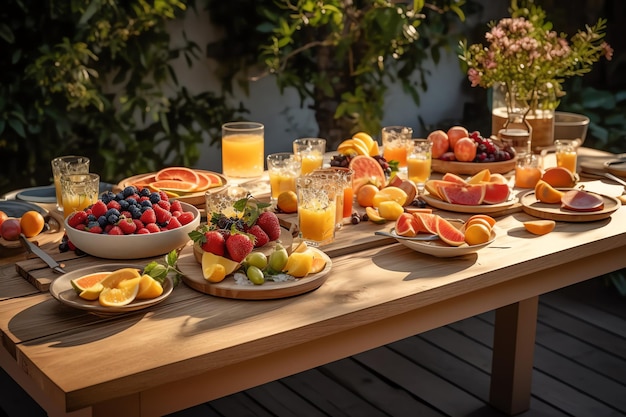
{"x": 513, "y": 349}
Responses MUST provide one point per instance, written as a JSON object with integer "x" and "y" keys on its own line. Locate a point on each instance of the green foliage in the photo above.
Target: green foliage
{"x": 89, "y": 78}
{"x": 339, "y": 56}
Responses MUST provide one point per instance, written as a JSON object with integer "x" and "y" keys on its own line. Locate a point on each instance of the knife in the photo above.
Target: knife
{"x": 36, "y": 250}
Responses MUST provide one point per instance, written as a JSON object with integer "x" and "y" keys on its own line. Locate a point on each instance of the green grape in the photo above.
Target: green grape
{"x": 255, "y": 275}
{"x": 257, "y": 259}
{"x": 277, "y": 259}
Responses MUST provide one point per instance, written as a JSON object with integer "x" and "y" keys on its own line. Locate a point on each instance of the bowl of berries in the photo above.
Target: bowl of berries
{"x": 132, "y": 224}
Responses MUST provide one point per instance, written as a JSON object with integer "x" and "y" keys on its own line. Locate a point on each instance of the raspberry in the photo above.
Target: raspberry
{"x": 127, "y": 225}
{"x": 99, "y": 208}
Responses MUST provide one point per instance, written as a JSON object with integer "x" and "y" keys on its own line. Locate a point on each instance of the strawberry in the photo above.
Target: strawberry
{"x": 113, "y": 204}
{"x": 185, "y": 217}
{"x": 127, "y": 225}
{"x": 152, "y": 227}
{"x": 162, "y": 216}
{"x": 116, "y": 230}
{"x": 98, "y": 209}
{"x": 268, "y": 221}
{"x": 173, "y": 223}
{"x": 239, "y": 246}
{"x": 164, "y": 204}
{"x": 77, "y": 218}
{"x": 95, "y": 228}
{"x": 176, "y": 206}
{"x": 148, "y": 216}
{"x": 214, "y": 243}
{"x": 260, "y": 237}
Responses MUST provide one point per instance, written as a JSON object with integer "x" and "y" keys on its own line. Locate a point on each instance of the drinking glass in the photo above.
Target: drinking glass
{"x": 62, "y": 165}
{"x": 566, "y": 154}
{"x": 317, "y": 207}
{"x": 223, "y": 201}
{"x": 283, "y": 169}
{"x": 311, "y": 153}
{"x": 395, "y": 141}
{"x": 419, "y": 162}
{"x": 527, "y": 171}
{"x": 345, "y": 196}
{"x": 243, "y": 149}
{"x": 79, "y": 191}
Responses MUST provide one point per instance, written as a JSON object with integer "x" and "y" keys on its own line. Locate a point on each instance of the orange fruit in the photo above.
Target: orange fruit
{"x": 540, "y": 227}
{"x": 3, "y": 217}
{"x": 88, "y": 281}
{"x": 32, "y": 223}
{"x": 365, "y": 195}
{"x": 485, "y": 217}
{"x": 547, "y": 193}
{"x": 287, "y": 202}
{"x": 559, "y": 177}
{"x": 476, "y": 234}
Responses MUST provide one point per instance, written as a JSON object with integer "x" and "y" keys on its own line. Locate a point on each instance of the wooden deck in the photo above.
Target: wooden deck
{"x": 580, "y": 370}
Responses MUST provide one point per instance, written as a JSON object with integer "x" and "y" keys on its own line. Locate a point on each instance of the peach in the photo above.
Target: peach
{"x": 440, "y": 142}
{"x": 465, "y": 150}
{"x": 455, "y": 133}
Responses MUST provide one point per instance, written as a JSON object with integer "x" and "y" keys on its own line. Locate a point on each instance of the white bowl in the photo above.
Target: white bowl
{"x": 134, "y": 246}
{"x": 570, "y": 126}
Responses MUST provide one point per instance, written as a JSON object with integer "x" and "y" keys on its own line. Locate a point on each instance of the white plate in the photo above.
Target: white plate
{"x": 441, "y": 249}
{"x": 61, "y": 289}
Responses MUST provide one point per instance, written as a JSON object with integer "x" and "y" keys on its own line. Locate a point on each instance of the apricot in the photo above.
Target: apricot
{"x": 465, "y": 150}
{"x": 559, "y": 177}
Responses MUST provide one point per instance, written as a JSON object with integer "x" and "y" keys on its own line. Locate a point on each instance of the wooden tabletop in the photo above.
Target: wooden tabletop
{"x": 193, "y": 347}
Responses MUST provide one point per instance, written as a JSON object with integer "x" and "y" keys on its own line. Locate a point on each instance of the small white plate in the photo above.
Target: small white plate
{"x": 61, "y": 289}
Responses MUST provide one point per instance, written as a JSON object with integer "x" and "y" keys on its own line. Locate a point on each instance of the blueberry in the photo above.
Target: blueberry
{"x": 146, "y": 204}
{"x": 155, "y": 198}
{"x": 128, "y": 191}
{"x": 102, "y": 221}
{"x": 145, "y": 192}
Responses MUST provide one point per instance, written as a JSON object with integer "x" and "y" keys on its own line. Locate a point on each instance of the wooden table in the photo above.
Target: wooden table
{"x": 193, "y": 348}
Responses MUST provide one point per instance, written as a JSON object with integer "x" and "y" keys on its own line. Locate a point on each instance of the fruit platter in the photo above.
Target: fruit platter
{"x": 458, "y": 151}
{"x": 244, "y": 253}
{"x": 434, "y": 235}
{"x": 185, "y": 184}
{"x": 484, "y": 192}
{"x": 113, "y": 289}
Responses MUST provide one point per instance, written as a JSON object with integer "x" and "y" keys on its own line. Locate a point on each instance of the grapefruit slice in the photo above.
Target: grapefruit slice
{"x": 87, "y": 281}
{"x": 174, "y": 185}
{"x": 448, "y": 233}
{"x": 432, "y": 186}
{"x": 495, "y": 193}
{"x": 178, "y": 174}
{"x": 465, "y": 195}
{"x": 366, "y": 170}
{"x": 450, "y": 177}
{"x": 578, "y": 200}
{"x": 426, "y": 222}
{"x": 207, "y": 180}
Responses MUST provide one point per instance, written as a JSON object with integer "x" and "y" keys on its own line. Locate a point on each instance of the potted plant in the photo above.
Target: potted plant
{"x": 526, "y": 63}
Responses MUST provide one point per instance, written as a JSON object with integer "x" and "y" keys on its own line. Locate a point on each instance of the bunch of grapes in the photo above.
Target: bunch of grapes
{"x": 343, "y": 161}
{"x": 489, "y": 151}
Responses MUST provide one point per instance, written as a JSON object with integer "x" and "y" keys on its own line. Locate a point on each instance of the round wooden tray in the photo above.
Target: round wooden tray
{"x": 471, "y": 168}
{"x": 458, "y": 208}
{"x": 536, "y": 208}
{"x": 195, "y": 199}
{"x": 192, "y": 276}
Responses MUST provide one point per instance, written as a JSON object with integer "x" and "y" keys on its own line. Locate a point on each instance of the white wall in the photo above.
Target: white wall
{"x": 283, "y": 117}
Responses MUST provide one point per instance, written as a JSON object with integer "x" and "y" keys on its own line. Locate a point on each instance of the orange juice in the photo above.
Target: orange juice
{"x": 311, "y": 161}
{"x": 527, "y": 177}
{"x": 567, "y": 159}
{"x": 79, "y": 191}
{"x": 396, "y": 153}
{"x": 280, "y": 182}
{"x": 243, "y": 155}
{"x": 72, "y": 203}
{"x": 348, "y": 197}
{"x": 317, "y": 225}
{"x": 418, "y": 169}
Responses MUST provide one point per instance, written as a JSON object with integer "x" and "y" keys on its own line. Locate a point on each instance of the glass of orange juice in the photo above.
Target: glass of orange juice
{"x": 317, "y": 207}
{"x": 345, "y": 196}
{"x": 566, "y": 155}
{"x": 396, "y": 140}
{"x": 419, "y": 162}
{"x": 311, "y": 153}
{"x": 79, "y": 191}
{"x": 527, "y": 171}
{"x": 243, "y": 149}
{"x": 62, "y": 165}
{"x": 283, "y": 169}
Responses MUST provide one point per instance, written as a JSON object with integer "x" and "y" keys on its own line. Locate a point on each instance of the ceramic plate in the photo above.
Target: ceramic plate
{"x": 47, "y": 194}
{"x": 458, "y": 208}
{"x": 61, "y": 289}
{"x": 536, "y": 208}
{"x": 228, "y": 288}
{"x": 441, "y": 249}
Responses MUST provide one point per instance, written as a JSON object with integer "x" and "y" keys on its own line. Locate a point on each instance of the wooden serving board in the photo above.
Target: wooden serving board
{"x": 535, "y": 208}
{"x": 192, "y": 276}
{"x": 195, "y": 199}
{"x": 471, "y": 168}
